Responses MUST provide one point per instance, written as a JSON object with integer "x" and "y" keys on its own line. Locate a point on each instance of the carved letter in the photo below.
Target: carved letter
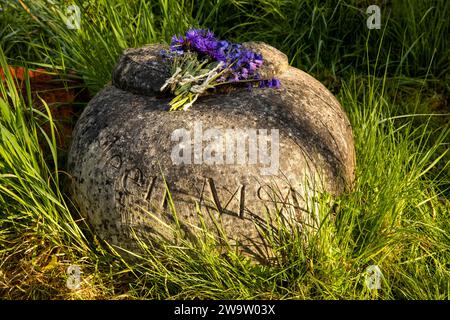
{"x": 215, "y": 195}
{"x": 242, "y": 202}
{"x": 150, "y": 188}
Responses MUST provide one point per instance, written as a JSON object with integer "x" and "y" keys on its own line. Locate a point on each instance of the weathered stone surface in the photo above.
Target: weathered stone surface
{"x": 123, "y": 142}
{"x": 141, "y": 71}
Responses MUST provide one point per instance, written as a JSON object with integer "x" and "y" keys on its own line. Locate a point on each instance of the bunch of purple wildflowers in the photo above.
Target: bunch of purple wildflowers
{"x": 243, "y": 63}
{"x": 226, "y": 62}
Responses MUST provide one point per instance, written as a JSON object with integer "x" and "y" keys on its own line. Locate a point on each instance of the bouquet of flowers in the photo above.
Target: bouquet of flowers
{"x": 200, "y": 62}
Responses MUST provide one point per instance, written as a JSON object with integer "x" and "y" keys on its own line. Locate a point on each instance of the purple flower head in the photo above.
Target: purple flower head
{"x": 275, "y": 83}
{"x": 176, "y": 45}
{"x": 270, "y": 83}
{"x": 202, "y": 42}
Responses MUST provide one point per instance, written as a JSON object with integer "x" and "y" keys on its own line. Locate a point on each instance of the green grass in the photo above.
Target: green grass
{"x": 396, "y": 217}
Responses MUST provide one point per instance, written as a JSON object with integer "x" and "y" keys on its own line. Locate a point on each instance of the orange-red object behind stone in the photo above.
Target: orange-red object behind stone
{"x": 65, "y": 101}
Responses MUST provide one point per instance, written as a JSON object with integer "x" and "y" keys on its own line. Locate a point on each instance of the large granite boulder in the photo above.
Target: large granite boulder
{"x": 242, "y": 158}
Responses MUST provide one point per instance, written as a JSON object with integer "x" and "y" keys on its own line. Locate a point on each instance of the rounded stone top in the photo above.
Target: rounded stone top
{"x": 142, "y": 70}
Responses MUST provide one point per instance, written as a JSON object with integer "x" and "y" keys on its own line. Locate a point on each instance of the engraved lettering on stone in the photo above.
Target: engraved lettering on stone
{"x": 150, "y": 189}
{"x": 259, "y": 193}
{"x": 132, "y": 180}
{"x": 164, "y": 200}
{"x": 114, "y": 162}
{"x": 242, "y": 202}
{"x": 232, "y": 196}
{"x": 212, "y": 186}
{"x": 108, "y": 144}
{"x": 112, "y": 166}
